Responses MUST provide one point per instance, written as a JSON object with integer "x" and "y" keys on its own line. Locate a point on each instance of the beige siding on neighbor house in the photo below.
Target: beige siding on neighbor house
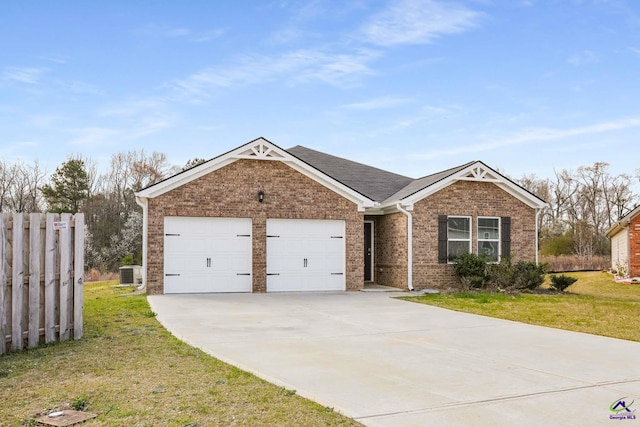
{"x": 232, "y": 192}
{"x": 620, "y": 249}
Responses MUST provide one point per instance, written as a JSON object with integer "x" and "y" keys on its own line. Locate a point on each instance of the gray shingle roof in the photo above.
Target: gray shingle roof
{"x": 376, "y": 184}
{"x": 424, "y": 182}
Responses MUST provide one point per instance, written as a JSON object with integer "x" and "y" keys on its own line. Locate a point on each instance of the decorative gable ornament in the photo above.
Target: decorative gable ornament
{"x": 260, "y": 151}
{"x": 480, "y": 173}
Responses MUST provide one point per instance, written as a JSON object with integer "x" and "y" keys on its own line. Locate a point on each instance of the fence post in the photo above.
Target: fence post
{"x": 4, "y": 272}
{"x": 78, "y": 276}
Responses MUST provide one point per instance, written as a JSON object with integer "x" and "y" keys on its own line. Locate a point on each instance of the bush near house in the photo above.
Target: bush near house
{"x": 475, "y": 272}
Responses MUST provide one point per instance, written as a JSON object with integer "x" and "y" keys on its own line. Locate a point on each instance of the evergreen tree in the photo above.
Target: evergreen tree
{"x": 68, "y": 187}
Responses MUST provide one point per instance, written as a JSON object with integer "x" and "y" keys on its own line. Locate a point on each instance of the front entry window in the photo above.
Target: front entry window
{"x": 458, "y": 236}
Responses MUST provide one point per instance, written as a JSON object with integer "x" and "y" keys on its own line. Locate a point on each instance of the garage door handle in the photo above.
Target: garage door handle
{"x": 273, "y": 274}
{"x": 172, "y": 234}
{"x": 305, "y": 263}
{"x": 168, "y": 274}
{"x": 208, "y": 262}
{"x": 337, "y": 274}
{"x": 243, "y": 274}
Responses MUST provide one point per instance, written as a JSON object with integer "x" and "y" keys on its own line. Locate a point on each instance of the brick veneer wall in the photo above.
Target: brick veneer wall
{"x": 634, "y": 247}
{"x": 390, "y": 249}
{"x": 466, "y": 198}
{"x": 232, "y": 192}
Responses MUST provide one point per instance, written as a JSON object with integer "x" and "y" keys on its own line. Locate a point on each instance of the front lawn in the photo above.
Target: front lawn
{"x": 595, "y": 304}
{"x": 132, "y": 372}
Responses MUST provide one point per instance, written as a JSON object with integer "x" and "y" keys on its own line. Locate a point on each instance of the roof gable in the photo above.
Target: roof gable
{"x": 258, "y": 149}
{"x": 623, "y": 222}
{"x": 472, "y": 171}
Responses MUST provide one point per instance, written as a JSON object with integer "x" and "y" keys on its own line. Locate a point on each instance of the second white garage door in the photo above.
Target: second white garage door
{"x": 305, "y": 255}
{"x": 207, "y": 255}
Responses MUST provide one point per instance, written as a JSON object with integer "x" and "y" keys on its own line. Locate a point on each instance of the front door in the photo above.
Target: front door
{"x": 368, "y": 251}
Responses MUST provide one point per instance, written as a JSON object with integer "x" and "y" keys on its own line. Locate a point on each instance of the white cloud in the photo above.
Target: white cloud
{"x": 179, "y": 32}
{"x": 29, "y": 75}
{"x": 378, "y": 103}
{"x": 537, "y": 135}
{"x": 205, "y": 36}
{"x": 418, "y": 22}
{"x": 93, "y": 136}
{"x": 582, "y": 58}
{"x": 297, "y": 66}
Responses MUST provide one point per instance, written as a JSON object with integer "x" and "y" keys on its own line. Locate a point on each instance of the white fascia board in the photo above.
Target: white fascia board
{"x": 258, "y": 149}
{"x": 481, "y": 173}
{"x": 184, "y": 178}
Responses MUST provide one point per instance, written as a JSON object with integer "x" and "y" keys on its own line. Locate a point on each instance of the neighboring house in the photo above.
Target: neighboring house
{"x": 260, "y": 218}
{"x": 625, "y": 245}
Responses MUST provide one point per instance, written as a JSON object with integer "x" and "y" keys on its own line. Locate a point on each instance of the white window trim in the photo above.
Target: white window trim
{"x": 499, "y": 239}
{"x": 470, "y": 240}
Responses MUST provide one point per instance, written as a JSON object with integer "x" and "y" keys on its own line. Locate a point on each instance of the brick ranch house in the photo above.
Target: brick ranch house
{"x": 263, "y": 219}
{"x": 625, "y": 245}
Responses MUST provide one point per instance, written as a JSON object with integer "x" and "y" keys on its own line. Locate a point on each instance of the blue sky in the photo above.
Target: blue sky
{"x": 412, "y": 86}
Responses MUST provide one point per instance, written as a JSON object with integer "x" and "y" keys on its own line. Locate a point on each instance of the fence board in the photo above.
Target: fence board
{"x": 78, "y": 275}
{"x": 17, "y": 283}
{"x": 34, "y": 279}
{"x": 41, "y": 279}
{"x": 50, "y": 280}
{"x": 65, "y": 277}
{"x": 4, "y": 273}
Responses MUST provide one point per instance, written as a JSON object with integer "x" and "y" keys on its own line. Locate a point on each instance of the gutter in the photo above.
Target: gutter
{"x": 409, "y": 245}
{"x": 143, "y": 203}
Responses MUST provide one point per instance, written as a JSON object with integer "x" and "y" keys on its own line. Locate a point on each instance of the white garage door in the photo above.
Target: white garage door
{"x": 305, "y": 255}
{"x": 207, "y": 255}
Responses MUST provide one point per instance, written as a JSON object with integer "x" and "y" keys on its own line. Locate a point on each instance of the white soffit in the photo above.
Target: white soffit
{"x": 477, "y": 172}
{"x": 258, "y": 149}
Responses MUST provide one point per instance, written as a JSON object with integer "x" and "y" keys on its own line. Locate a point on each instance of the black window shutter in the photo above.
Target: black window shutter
{"x": 505, "y": 236}
{"x": 442, "y": 239}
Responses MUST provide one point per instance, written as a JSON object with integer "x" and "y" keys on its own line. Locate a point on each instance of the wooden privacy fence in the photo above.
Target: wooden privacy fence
{"x": 41, "y": 279}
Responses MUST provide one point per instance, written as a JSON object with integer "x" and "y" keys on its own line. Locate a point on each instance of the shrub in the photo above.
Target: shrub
{"x": 471, "y": 269}
{"x": 501, "y": 274}
{"x": 127, "y": 260}
{"x": 528, "y": 275}
{"x": 562, "y": 282}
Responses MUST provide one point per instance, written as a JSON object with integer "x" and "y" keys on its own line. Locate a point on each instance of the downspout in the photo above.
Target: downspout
{"x": 409, "y": 246}
{"x": 538, "y": 211}
{"x": 142, "y": 202}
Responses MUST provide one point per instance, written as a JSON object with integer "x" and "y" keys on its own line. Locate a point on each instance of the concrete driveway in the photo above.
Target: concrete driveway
{"x": 386, "y": 362}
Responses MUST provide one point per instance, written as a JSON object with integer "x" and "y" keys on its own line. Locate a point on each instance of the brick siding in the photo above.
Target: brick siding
{"x": 232, "y": 192}
{"x": 390, "y": 249}
{"x": 466, "y": 198}
{"x": 634, "y": 247}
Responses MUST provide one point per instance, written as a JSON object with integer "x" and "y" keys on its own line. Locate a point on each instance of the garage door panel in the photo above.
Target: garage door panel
{"x": 207, "y": 255}
{"x": 305, "y": 255}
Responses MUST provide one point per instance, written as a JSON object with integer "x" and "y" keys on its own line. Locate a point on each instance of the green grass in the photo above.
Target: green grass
{"x": 132, "y": 372}
{"x": 595, "y": 304}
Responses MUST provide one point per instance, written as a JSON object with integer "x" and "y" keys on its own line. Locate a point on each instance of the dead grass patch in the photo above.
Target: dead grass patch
{"x": 132, "y": 372}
